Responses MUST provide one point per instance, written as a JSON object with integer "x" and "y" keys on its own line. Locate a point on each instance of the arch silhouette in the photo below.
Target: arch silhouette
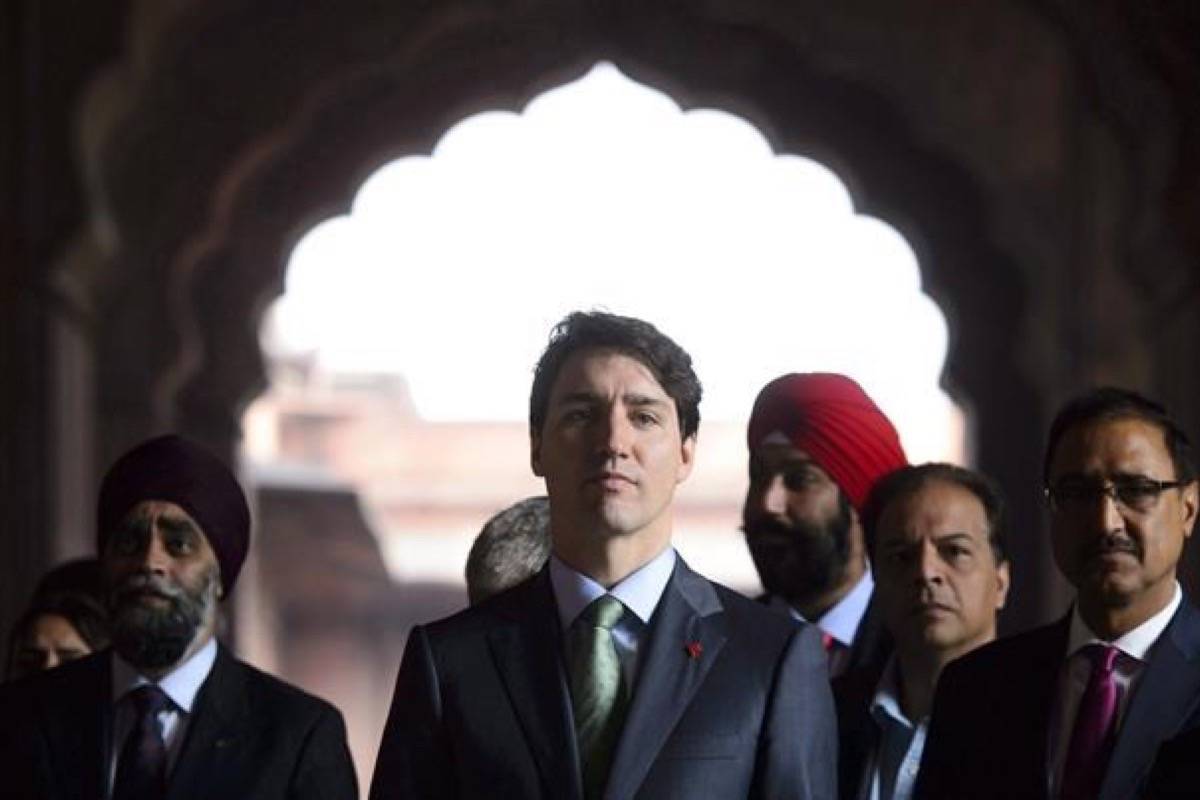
{"x": 295, "y": 145}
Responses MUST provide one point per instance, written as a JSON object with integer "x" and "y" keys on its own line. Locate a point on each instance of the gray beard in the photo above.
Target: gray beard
{"x": 156, "y": 638}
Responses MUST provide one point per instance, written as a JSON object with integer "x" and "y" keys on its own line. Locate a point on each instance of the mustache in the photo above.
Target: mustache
{"x": 1111, "y": 543}
{"x": 771, "y": 528}
{"x": 771, "y": 533}
{"x": 928, "y": 599}
{"x": 146, "y": 583}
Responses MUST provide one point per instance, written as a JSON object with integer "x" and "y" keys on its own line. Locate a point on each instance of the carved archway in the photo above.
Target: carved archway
{"x": 262, "y": 151}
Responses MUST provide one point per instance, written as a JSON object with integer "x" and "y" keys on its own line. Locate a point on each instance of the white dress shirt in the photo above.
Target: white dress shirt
{"x": 1135, "y": 649}
{"x": 181, "y": 686}
{"x": 893, "y": 765}
{"x": 639, "y": 592}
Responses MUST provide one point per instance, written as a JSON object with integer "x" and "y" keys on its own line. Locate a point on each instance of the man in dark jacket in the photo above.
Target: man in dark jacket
{"x": 817, "y": 445}
{"x": 168, "y": 712}
{"x": 1078, "y": 708}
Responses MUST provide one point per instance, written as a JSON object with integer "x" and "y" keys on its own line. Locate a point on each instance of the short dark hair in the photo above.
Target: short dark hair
{"x": 513, "y": 545}
{"x": 1111, "y": 402}
{"x": 905, "y": 482}
{"x": 638, "y": 339}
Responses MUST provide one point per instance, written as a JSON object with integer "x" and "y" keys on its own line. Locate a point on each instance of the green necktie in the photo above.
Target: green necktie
{"x": 597, "y": 694}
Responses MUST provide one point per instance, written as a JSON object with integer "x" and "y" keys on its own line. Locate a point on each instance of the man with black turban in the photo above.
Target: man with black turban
{"x": 818, "y": 444}
{"x": 168, "y": 712}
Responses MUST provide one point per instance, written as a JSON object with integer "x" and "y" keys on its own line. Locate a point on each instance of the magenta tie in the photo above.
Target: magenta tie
{"x": 1095, "y": 728}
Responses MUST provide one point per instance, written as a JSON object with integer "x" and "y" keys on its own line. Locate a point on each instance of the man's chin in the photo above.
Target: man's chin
{"x": 151, "y": 639}
{"x": 152, "y": 653}
{"x": 1110, "y": 590}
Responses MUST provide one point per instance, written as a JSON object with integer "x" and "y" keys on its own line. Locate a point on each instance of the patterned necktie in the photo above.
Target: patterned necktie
{"x": 142, "y": 765}
{"x": 1095, "y": 728}
{"x": 598, "y": 697}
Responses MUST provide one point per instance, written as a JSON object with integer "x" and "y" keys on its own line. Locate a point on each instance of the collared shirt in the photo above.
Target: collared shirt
{"x": 640, "y": 592}
{"x": 1136, "y": 647}
{"x": 894, "y": 764}
{"x": 180, "y": 685}
{"x": 842, "y": 621}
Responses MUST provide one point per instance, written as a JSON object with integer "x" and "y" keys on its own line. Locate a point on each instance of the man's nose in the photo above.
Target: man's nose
{"x": 929, "y": 564}
{"x": 775, "y": 497}
{"x": 154, "y": 555}
{"x": 1108, "y": 513}
{"x": 614, "y": 434}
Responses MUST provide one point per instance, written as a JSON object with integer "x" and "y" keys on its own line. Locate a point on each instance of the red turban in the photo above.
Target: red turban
{"x": 830, "y": 418}
{"x": 174, "y": 470}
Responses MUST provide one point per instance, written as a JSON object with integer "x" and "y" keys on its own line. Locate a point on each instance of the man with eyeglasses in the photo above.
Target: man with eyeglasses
{"x": 1077, "y": 709}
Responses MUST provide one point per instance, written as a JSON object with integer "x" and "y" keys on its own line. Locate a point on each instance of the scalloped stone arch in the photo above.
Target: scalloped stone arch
{"x": 191, "y": 286}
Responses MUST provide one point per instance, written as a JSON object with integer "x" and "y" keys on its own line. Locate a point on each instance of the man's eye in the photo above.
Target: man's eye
{"x": 1136, "y": 490}
{"x": 799, "y": 479}
{"x": 1075, "y": 492}
{"x": 645, "y": 418}
{"x": 955, "y": 551}
{"x": 180, "y": 545}
{"x": 126, "y": 542}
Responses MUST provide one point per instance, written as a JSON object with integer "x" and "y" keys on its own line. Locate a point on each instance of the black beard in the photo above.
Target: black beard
{"x": 153, "y": 638}
{"x": 803, "y": 560}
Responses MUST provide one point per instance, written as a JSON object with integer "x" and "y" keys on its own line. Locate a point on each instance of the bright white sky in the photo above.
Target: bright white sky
{"x": 602, "y": 193}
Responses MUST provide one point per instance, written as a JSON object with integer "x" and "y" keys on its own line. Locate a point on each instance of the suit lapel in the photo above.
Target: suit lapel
{"x": 1165, "y": 694}
{"x": 1044, "y": 669}
{"x": 668, "y": 675}
{"x": 78, "y": 739}
{"x": 528, "y": 656}
{"x": 220, "y": 719}
{"x": 872, "y": 643}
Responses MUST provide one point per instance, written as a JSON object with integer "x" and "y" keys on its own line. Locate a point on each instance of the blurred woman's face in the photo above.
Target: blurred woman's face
{"x": 48, "y": 642}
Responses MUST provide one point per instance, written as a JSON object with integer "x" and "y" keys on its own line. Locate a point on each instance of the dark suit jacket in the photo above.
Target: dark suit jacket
{"x": 249, "y": 736}
{"x": 858, "y": 733}
{"x": 482, "y": 707}
{"x": 989, "y": 736}
{"x": 872, "y": 645}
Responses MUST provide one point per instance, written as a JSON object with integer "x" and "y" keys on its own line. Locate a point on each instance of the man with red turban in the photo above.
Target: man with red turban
{"x": 817, "y": 445}
{"x": 168, "y": 711}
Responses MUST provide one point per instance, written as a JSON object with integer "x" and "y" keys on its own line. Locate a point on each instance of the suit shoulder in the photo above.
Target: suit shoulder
{"x": 754, "y": 617}
{"x": 513, "y": 604}
{"x": 268, "y": 691}
{"x": 1009, "y": 652}
{"x": 63, "y": 685}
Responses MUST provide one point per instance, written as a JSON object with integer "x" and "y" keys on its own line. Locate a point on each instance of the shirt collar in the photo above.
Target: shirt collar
{"x": 639, "y": 591}
{"x": 181, "y": 684}
{"x": 1137, "y": 642}
{"x": 885, "y": 705}
{"x": 841, "y": 622}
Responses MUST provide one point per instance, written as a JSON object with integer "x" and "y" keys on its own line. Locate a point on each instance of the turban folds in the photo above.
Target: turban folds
{"x": 174, "y": 470}
{"x": 832, "y": 419}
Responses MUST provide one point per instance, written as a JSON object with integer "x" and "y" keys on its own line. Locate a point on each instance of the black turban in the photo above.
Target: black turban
{"x": 174, "y": 470}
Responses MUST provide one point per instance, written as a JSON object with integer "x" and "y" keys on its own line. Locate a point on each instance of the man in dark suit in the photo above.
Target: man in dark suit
{"x": 935, "y": 533}
{"x": 817, "y": 445}
{"x": 616, "y": 672}
{"x": 168, "y": 712}
{"x": 1077, "y": 709}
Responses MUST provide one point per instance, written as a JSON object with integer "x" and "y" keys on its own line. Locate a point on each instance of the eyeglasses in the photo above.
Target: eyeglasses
{"x": 1135, "y": 493}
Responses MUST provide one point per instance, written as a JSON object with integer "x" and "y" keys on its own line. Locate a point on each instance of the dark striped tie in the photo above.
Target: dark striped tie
{"x": 142, "y": 765}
